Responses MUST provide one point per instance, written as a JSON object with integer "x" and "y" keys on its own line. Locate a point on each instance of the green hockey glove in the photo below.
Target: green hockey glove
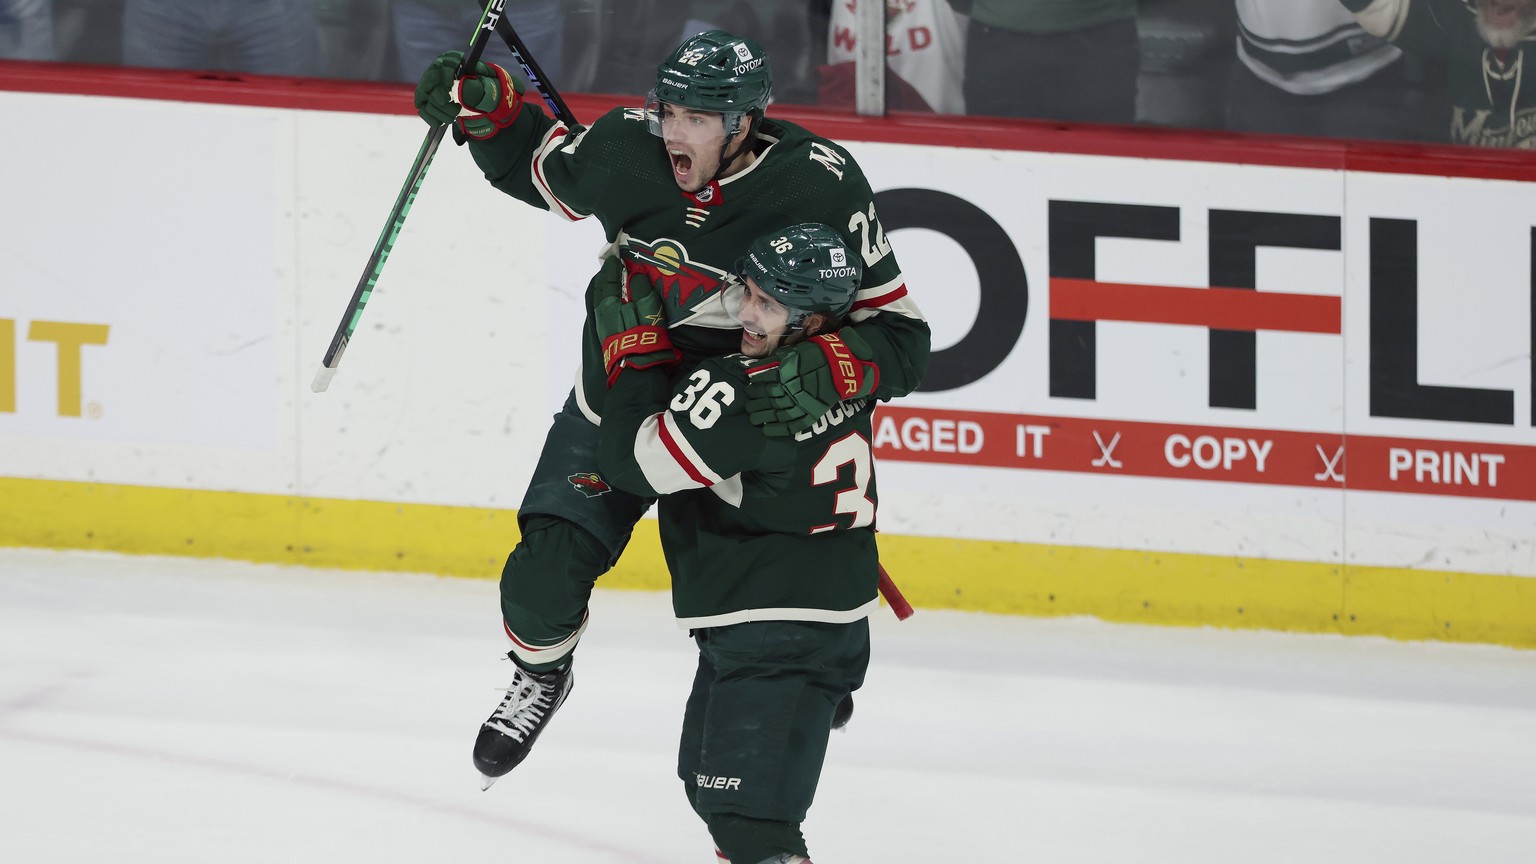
{"x": 811, "y": 377}
{"x": 633, "y": 333}
{"x": 481, "y": 102}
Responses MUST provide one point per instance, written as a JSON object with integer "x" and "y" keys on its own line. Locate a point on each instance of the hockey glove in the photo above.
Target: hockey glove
{"x": 481, "y": 102}
{"x": 633, "y": 333}
{"x": 811, "y": 377}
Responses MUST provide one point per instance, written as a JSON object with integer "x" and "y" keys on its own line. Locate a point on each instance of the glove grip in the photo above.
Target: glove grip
{"x": 641, "y": 339}
{"x": 848, "y": 372}
{"x": 509, "y": 102}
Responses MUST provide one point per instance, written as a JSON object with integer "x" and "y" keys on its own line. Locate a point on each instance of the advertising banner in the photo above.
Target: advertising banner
{"x": 1295, "y": 364}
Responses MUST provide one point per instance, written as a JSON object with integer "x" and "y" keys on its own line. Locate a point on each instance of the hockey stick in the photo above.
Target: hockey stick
{"x": 488, "y": 21}
{"x": 892, "y": 596}
{"x": 534, "y": 74}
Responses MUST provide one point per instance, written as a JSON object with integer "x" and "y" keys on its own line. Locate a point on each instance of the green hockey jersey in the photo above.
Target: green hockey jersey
{"x": 753, "y": 528}
{"x": 1490, "y": 104}
{"x": 618, "y": 172}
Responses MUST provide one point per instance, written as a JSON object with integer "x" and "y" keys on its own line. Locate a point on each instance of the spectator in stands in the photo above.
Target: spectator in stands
{"x": 427, "y": 28}
{"x": 26, "y": 30}
{"x": 793, "y": 31}
{"x": 1073, "y": 60}
{"x": 619, "y": 42}
{"x": 924, "y": 56}
{"x": 267, "y": 37}
{"x": 1482, "y": 44}
{"x": 1306, "y": 67}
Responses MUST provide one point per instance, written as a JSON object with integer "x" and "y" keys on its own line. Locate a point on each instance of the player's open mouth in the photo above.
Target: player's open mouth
{"x": 681, "y": 163}
{"x": 752, "y": 336}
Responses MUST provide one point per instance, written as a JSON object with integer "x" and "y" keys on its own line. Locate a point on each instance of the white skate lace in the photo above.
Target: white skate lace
{"x": 522, "y": 709}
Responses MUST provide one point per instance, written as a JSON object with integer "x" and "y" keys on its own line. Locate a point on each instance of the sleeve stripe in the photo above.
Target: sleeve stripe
{"x": 882, "y": 300}
{"x": 550, "y": 145}
{"x": 656, "y": 463}
{"x": 687, "y": 458}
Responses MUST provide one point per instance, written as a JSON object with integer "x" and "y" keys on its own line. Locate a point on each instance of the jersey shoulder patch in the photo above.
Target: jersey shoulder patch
{"x": 819, "y": 154}
{"x": 619, "y": 125}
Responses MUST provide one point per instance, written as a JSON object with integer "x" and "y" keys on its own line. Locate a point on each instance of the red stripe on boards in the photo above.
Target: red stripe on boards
{"x": 1042, "y": 136}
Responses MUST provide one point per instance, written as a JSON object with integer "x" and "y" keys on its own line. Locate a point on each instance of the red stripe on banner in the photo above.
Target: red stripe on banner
{"x": 1217, "y": 308}
{"x": 887, "y": 297}
{"x": 667, "y": 440}
{"x": 1129, "y": 448}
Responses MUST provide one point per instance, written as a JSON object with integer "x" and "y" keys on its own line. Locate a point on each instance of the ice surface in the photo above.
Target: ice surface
{"x": 190, "y": 710}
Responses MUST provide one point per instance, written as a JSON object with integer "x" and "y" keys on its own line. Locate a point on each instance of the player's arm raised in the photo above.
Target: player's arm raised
{"x": 521, "y": 149}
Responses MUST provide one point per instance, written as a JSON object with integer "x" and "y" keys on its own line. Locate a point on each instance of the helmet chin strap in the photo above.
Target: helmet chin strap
{"x": 725, "y": 157}
{"x": 796, "y": 332}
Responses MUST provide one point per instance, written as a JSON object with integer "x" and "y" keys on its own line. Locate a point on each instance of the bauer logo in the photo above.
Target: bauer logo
{"x": 705, "y": 781}
{"x": 494, "y": 15}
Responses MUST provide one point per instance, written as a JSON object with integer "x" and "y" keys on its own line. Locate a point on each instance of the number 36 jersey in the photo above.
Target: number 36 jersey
{"x": 753, "y": 527}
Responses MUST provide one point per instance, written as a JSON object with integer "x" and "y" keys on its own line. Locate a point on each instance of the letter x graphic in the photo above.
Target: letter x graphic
{"x": 1108, "y": 457}
{"x": 1328, "y": 464}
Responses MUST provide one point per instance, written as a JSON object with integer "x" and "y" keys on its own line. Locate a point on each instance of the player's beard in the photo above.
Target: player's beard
{"x": 1503, "y": 24}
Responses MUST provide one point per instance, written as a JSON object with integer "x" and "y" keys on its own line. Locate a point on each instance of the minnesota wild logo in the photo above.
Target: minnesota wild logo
{"x": 665, "y": 262}
{"x": 589, "y": 484}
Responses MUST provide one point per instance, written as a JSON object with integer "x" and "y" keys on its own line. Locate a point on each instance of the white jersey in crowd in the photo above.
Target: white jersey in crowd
{"x": 924, "y": 44}
{"x": 1307, "y": 47}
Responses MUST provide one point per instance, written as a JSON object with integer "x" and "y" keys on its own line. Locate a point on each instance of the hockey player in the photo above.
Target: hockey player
{"x": 680, "y": 186}
{"x": 770, "y": 541}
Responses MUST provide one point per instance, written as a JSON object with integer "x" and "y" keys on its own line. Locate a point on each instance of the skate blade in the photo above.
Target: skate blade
{"x": 486, "y": 781}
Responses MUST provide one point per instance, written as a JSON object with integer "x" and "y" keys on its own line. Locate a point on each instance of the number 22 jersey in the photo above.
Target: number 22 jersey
{"x": 619, "y": 173}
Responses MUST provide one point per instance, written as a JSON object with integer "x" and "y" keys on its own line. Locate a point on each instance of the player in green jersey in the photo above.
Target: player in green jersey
{"x": 770, "y": 540}
{"x": 681, "y": 186}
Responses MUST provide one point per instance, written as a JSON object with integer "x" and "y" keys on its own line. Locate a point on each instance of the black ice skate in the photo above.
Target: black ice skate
{"x": 505, "y": 738}
{"x": 842, "y": 713}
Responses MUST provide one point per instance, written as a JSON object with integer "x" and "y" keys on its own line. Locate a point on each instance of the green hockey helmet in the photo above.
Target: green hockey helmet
{"x": 713, "y": 71}
{"x": 807, "y": 267}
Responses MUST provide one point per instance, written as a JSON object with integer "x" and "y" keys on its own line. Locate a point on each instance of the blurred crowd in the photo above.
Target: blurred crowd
{"x": 1410, "y": 70}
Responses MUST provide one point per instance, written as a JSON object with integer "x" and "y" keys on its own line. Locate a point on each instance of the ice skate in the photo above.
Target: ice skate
{"x": 506, "y": 737}
{"x": 842, "y": 713}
